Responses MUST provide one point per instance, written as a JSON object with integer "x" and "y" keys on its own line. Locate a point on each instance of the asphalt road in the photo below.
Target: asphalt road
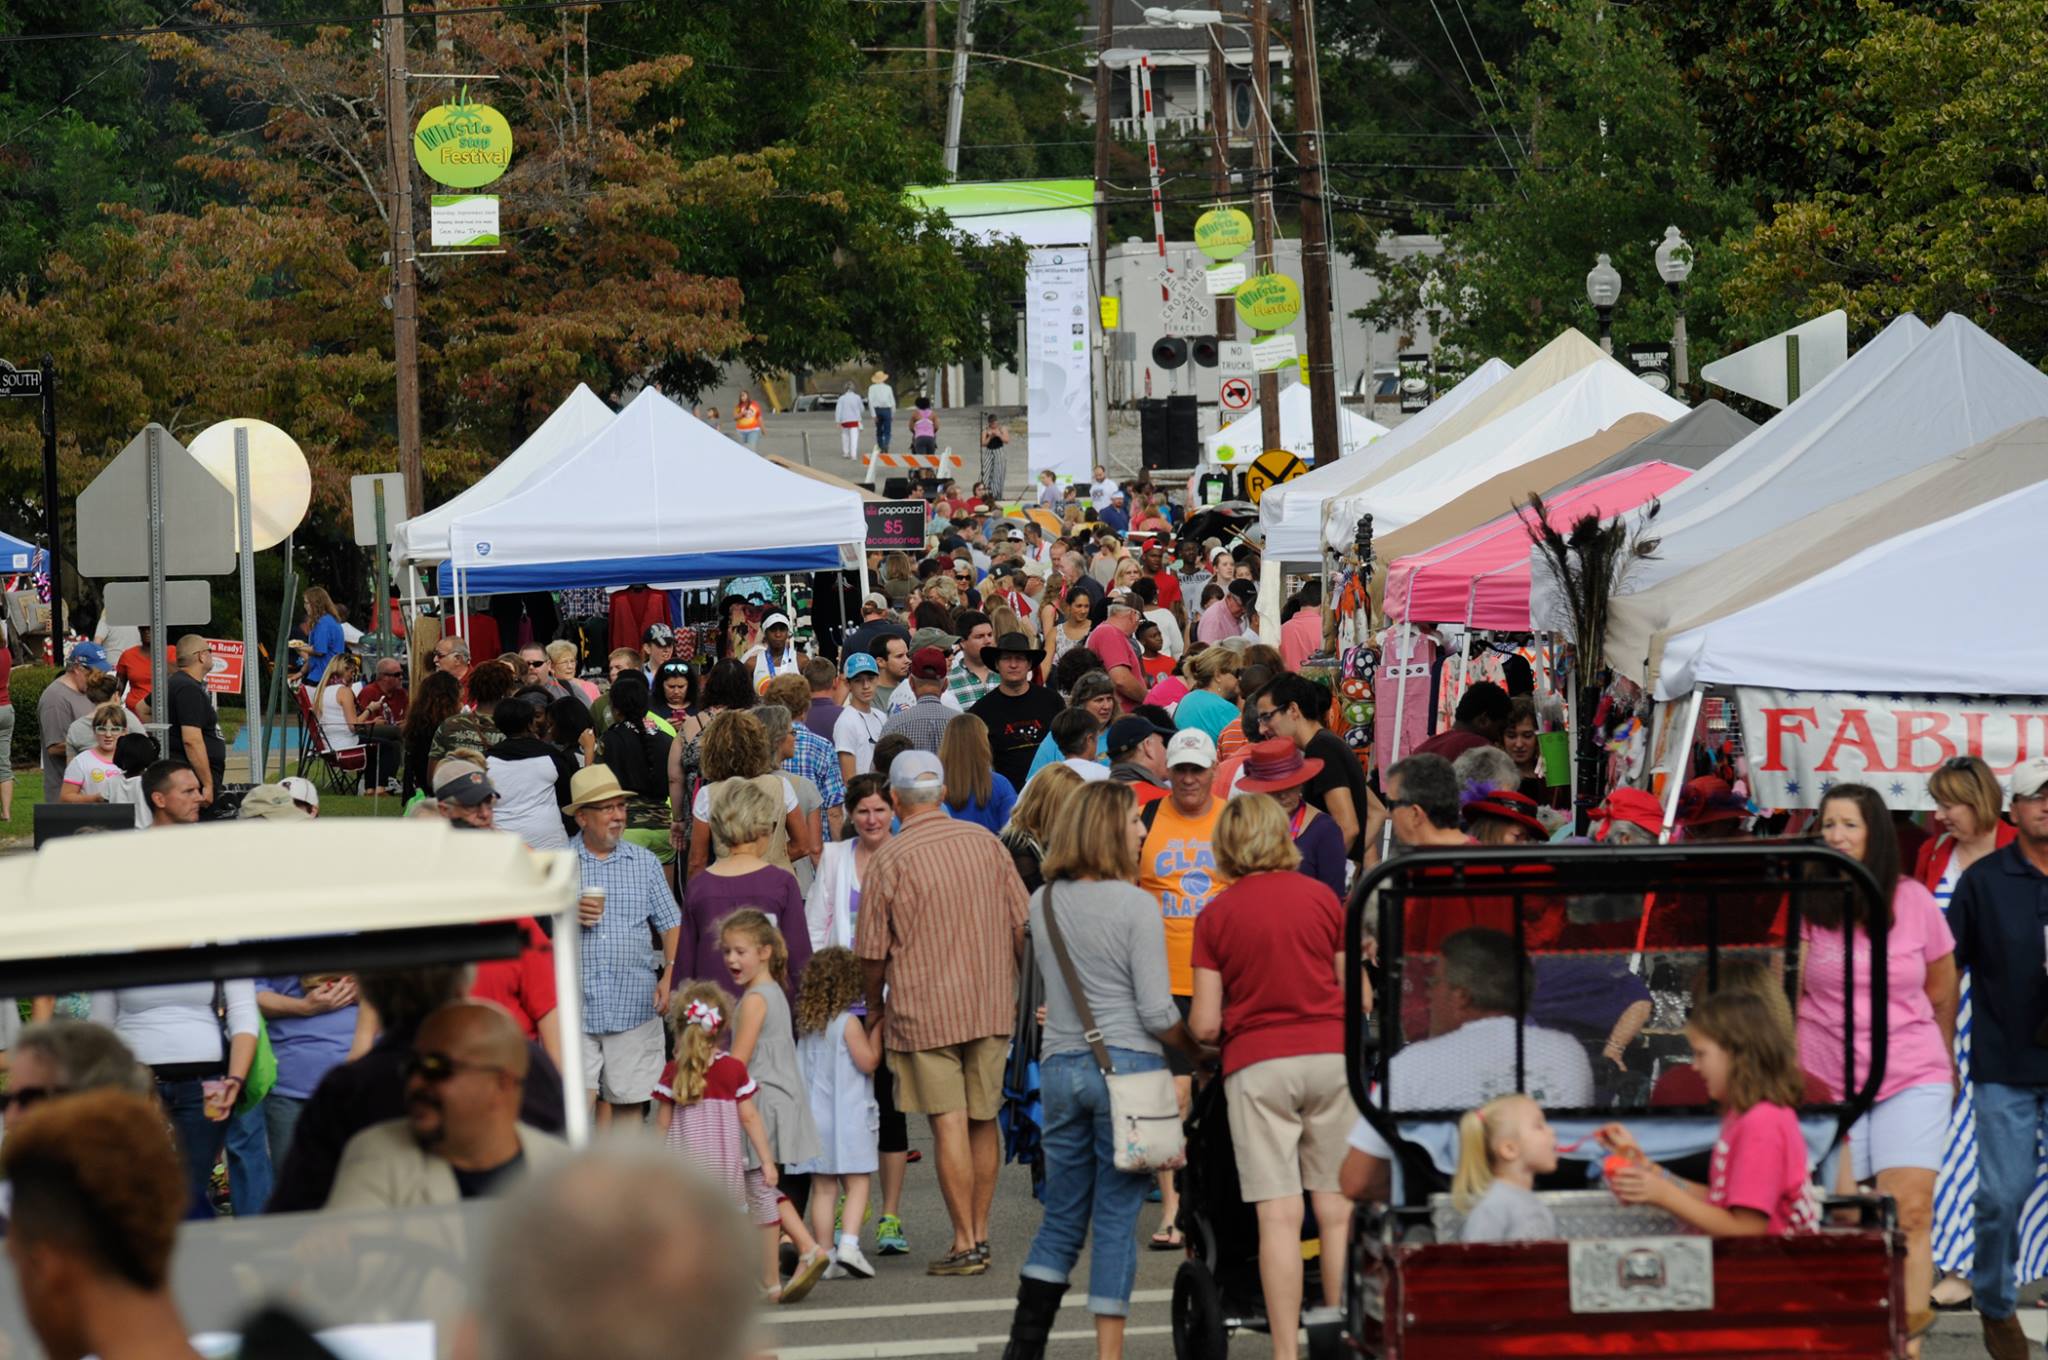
{"x": 904, "y": 1312}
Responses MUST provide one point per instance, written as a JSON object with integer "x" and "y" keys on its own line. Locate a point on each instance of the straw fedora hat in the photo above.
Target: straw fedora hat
{"x": 591, "y": 785}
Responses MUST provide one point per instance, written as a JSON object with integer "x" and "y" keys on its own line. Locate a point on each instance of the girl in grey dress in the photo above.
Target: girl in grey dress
{"x": 757, "y": 959}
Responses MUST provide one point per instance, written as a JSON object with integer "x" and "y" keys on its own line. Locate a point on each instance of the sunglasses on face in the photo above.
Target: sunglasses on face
{"x": 435, "y": 1068}
{"x": 109, "y": 727}
{"x": 28, "y": 1097}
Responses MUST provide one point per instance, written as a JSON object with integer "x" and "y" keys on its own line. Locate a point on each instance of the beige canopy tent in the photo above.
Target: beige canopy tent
{"x": 1493, "y": 498}
{"x": 2006, "y": 462}
{"x": 802, "y": 470}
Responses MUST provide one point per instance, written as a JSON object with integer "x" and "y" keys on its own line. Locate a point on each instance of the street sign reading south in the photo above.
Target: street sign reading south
{"x": 20, "y": 382}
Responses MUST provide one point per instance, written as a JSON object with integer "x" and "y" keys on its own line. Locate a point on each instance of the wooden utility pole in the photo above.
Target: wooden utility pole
{"x": 405, "y": 317}
{"x": 1262, "y": 201}
{"x": 1219, "y": 161}
{"x": 1315, "y": 239}
{"x": 931, "y": 57}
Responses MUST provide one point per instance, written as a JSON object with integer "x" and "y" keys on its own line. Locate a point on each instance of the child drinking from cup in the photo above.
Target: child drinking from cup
{"x": 1503, "y": 1146}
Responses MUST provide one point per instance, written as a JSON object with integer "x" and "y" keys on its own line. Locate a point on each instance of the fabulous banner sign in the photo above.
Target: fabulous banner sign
{"x": 1802, "y": 744}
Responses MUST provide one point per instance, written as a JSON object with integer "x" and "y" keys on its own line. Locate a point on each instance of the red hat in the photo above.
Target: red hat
{"x": 1276, "y": 764}
{"x": 1633, "y": 806}
{"x": 1708, "y": 799}
{"x": 1509, "y": 805}
{"x": 928, "y": 663}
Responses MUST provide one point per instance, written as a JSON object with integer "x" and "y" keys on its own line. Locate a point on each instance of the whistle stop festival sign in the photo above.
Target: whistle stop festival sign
{"x": 463, "y": 145}
{"x": 1801, "y": 744}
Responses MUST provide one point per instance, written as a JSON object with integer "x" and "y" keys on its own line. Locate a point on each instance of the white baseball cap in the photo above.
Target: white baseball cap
{"x": 2029, "y": 778}
{"x": 301, "y": 790}
{"x": 1191, "y": 746}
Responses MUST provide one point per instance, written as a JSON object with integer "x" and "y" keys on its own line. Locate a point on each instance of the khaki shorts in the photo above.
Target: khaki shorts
{"x": 624, "y": 1067}
{"x": 965, "y": 1076}
{"x": 1288, "y": 1119}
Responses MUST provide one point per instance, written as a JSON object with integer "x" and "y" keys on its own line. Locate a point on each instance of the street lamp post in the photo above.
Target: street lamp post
{"x": 1674, "y": 266}
{"x": 1431, "y": 296}
{"x": 1603, "y": 290}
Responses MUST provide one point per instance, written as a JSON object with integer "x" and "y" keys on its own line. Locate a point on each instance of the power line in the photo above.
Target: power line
{"x": 324, "y": 21}
{"x": 127, "y": 55}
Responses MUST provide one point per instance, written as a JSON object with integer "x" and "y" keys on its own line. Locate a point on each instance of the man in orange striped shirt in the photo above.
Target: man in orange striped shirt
{"x": 940, "y": 933}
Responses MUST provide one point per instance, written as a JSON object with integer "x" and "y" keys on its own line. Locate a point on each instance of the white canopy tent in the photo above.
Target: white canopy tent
{"x": 1846, "y": 619}
{"x": 1244, "y": 436}
{"x": 424, "y": 537}
{"x": 1292, "y": 512}
{"x": 1585, "y": 403}
{"x": 1870, "y": 421}
{"x": 2009, "y": 461}
{"x": 657, "y": 495}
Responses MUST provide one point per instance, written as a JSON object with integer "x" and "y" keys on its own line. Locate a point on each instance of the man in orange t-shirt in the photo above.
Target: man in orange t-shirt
{"x": 1178, "y": 866}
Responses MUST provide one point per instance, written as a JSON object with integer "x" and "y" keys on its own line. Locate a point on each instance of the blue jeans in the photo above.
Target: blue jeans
{"x": 885, "y": 419}
{"x": 2010, "y": 1122}
{"x": 281, "y": 1120}
{"x": 249, "y": 1173}
{"x": 200, "y": 1140}
{"x": 1082, "y": 1182}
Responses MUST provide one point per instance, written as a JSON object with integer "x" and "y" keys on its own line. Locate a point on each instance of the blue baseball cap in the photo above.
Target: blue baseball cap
{"x": 861, "y": 663}
{"x": 88, "y": 654}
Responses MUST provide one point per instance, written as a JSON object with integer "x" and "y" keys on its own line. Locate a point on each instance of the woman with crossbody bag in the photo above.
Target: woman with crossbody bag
{"x": 1111, "y": 1118}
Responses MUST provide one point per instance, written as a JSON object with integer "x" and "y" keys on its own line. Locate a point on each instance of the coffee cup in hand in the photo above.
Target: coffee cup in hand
{"x": 590, "y": 906}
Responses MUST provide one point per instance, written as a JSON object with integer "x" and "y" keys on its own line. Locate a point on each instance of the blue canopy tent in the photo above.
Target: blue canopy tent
{"x": 17, "y": 556}
{"x": 657, "y": 495}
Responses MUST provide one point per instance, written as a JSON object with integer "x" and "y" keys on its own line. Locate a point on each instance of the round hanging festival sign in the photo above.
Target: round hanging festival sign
{"x": 463, "y": 145}
{"x": 1268, "y": 302}
{"x": 1223, "y": 233}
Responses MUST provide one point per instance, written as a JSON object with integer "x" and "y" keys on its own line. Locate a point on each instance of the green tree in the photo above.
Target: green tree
{"x": 1950, "y": 213}
{"x": 1615, "y": 155}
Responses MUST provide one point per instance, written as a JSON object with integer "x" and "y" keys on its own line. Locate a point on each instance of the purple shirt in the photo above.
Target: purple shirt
{"x": 713, "y": 897}
{"x": 820, "y": 716}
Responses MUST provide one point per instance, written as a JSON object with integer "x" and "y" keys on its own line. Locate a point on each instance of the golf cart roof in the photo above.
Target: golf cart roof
{"x": 241, "y": 899}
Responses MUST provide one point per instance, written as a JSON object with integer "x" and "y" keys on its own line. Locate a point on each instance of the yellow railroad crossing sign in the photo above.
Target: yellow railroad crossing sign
{"x": 1269, "y": 469}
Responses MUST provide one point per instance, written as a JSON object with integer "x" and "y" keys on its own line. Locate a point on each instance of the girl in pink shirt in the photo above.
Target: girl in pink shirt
{"x": 1757, "y": 1183}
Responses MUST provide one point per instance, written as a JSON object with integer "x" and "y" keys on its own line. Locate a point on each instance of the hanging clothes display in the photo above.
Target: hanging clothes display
{"x": 1420, "y": 648}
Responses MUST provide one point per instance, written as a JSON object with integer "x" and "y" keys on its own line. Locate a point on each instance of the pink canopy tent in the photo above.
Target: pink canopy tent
{"x": 1481, "y": 578}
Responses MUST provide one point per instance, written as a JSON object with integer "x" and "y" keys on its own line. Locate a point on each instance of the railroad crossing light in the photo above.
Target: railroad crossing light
{"x": 1170, "y": 351}
{"x": 1203, "y": 350}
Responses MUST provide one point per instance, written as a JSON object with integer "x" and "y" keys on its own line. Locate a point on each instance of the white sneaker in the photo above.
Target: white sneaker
{"x": 849, "y": 1261}
{"x": 835, "y": 1271}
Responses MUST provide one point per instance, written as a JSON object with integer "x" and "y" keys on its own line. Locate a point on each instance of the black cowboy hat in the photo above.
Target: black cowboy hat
{"x": 1012, "y": 644}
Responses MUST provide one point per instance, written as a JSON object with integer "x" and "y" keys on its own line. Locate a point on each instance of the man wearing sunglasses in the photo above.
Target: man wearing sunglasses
{"x": 460, "y": 1137}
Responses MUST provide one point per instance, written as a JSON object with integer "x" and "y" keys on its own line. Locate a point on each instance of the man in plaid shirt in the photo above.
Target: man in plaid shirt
{"x": 626, "y": 980}
{"x": 968, "y": 679}
{"x": 924, "y": 722}
{"x": 814, "y": 757}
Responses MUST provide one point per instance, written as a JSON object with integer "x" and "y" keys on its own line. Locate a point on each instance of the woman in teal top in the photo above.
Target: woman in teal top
{"x": 1212, "y": 705}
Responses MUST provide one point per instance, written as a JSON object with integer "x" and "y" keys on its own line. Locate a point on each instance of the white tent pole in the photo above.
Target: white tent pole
{"x": 568, "y": 942}
{"x": 1400, "y": 708}
{"x": 1681, "y": 759}
{"x": 865, "y": 585}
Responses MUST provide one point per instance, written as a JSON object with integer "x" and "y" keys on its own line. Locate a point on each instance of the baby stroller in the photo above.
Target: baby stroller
{"x": 1217, "y": 1291}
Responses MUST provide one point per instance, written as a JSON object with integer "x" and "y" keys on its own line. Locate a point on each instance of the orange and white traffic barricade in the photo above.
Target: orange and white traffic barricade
{"x": 943, "y": 464}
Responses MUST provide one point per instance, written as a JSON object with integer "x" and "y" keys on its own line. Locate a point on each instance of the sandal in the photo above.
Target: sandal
{"x": 1168, "y": 1239}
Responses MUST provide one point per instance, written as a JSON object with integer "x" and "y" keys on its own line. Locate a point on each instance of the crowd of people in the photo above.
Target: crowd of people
{"x": 1047, "y": 792}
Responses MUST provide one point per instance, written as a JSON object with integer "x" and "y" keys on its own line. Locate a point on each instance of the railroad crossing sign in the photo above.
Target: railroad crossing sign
{"x": 1235, "y": 394}
{"x": 1186, "y": 310}
{"x": 1269, "y": 469}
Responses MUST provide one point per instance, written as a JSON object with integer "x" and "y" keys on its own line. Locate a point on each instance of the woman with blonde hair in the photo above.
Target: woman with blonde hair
{"x": 562, "y": 656}
{"x": 744, "y": 816}
{"x": 1046, "y": 794}
{"x": 1211, "y": 701}
{"x": 1269, "y": 979}
{"x": 899, "y": 579}
{"x": 1110, "y": 931}
{"x": 735, "y": 747}
{"x": 974, "y": 791}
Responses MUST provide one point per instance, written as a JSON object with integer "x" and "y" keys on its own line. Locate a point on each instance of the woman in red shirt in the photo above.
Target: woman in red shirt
{"x": 1268, "y": 968}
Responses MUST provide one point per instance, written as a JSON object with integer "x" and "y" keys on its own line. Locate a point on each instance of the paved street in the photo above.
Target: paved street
{"x": 903, "y": 1311}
